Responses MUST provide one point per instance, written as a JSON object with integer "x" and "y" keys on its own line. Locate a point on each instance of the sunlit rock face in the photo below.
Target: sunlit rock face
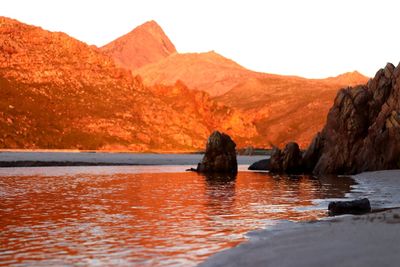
{"x": 220, "y": 155}
{"x": 362, "y": 132}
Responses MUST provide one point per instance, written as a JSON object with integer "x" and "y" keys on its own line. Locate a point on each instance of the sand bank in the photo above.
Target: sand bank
{"x": 366, "y": 240}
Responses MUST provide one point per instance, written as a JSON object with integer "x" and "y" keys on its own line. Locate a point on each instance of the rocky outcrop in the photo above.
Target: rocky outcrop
{"x": 220, "y": 155}
{"x": 362, "y": 132}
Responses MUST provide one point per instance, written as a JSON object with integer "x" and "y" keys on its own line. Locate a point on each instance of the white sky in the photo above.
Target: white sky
{"x": 310, "y": 38}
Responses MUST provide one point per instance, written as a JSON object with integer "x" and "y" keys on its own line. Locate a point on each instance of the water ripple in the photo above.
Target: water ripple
{"x": 168, "y": 219}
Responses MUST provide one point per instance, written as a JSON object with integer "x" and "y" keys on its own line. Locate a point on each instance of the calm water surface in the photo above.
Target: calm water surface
{"x": 130, "y": 216}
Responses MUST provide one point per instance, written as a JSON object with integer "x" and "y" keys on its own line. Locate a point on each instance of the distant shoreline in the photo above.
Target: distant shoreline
{"x": 9, "y": 164}
{"x": 72, "y": 158}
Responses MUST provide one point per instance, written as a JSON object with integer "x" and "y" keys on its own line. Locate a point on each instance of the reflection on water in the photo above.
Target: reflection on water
{"x": 145, "y": 219}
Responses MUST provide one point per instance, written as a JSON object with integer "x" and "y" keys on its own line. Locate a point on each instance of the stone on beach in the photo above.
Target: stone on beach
{"x": 220, "y": 155}
{"x": 358, "y": 206}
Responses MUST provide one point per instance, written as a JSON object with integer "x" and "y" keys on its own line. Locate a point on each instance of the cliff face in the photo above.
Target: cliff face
{"x": 57, "y": 92}
{"x": 145, "y": 44}
{"x": 362, "y": 132}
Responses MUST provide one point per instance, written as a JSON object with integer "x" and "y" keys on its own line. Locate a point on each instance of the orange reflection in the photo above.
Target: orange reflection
{"x": 146, "y": 219}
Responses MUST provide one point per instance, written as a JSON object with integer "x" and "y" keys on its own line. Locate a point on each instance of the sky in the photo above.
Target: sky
{"x": 309, "y": 38}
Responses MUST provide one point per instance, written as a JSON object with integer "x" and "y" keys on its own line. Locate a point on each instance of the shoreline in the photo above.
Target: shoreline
{"x": 347, "y": 240}
{"x": 350, "y": 240}
{"x": 22, "y": 164}
{"x": 64, "y": 158}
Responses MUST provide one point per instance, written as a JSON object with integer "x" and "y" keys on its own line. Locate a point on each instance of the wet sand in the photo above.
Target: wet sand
{"x": 366, "y": 240}
{"x": 31, "y": 159}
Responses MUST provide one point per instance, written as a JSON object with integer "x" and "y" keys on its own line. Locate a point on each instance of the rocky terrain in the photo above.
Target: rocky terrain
{"x": 57, "y": 92}
{"x": 362, "y": 132}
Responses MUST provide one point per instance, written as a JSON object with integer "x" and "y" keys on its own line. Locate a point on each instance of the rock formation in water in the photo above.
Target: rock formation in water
{"x": 289, "y": 160}
{"x": 362, "y": 132}
{"x": 220, "y": 155}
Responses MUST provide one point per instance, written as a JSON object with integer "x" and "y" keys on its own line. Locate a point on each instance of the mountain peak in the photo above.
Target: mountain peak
{"x": 145, "y": 44}
{"x": 351, "y": 78}
{"x": 150, "y": 24}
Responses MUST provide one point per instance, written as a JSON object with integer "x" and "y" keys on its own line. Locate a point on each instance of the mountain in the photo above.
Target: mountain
{"x": 276, "y": 104}
{"x": 57, "y": 92}
{"x": 145, "y": 44}
{"x": 217, "y": 75}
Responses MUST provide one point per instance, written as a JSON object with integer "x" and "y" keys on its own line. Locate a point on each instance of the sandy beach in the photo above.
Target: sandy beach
{"x": 366, "y": 240}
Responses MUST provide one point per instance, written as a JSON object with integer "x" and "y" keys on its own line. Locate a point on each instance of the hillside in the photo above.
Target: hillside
{"x": 57, "y": 92}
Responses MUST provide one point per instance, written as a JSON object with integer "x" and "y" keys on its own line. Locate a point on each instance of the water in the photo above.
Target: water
{"x": 144, "y": 216}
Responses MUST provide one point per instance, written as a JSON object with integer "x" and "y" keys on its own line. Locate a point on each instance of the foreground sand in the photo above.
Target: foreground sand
{"x": 367, "y": 240}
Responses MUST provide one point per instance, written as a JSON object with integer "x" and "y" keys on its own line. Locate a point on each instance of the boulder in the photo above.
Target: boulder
{"x": 358, "y": 206}
{"x": 220, "y": 155}
{"x": 261, "y": 165}
{"x": 287, "y": 161}
{"x": 362, "y": 132}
